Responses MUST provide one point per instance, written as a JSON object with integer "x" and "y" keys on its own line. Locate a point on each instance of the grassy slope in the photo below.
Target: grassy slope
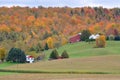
{"x": 84, "y": 58}
{"x": 83, "y": 49}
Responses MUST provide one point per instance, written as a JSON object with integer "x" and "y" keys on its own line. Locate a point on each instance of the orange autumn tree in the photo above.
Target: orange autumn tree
{"x": 4, "y": 27}
{"x": 91, "y": 29}
{"x": 101, "y": 41}
{"x": 30, "y": 21}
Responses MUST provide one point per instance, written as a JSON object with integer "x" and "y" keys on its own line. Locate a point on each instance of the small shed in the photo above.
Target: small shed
{"x": 29, "y": 59}
{"x": 75, "y": 38}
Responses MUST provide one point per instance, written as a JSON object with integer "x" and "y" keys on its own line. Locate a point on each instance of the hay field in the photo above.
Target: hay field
{"x": 107, "y": 64}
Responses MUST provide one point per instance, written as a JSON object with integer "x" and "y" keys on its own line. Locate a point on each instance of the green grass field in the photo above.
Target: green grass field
{"x": 6, "y": 64}
{"x": 83, "y": 49}
{"x": 83, "y": 59}
{"x": 6, "y": 73}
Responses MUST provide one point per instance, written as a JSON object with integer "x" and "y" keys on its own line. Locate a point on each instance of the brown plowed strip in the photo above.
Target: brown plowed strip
{"x": 61, "y": 77}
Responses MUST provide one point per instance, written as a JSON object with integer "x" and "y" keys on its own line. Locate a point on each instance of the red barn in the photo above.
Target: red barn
{"x": 75, "y": 38}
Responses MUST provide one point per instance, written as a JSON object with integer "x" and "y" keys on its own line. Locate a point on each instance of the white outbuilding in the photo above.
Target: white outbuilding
{"x": 29, "y": 59}
{"x": 94, "y": 36}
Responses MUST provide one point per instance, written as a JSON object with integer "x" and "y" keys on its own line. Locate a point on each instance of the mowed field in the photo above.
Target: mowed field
{"x": 92, "y": 65}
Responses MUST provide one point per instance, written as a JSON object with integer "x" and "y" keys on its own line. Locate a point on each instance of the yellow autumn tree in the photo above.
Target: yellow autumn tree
{"x": 2, "y": 54}
{"x": 64, "y": 41}
{"x": 50, "y": 42}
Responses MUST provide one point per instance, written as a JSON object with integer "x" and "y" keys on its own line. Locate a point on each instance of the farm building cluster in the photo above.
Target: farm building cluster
{"x": 77, "y": 37}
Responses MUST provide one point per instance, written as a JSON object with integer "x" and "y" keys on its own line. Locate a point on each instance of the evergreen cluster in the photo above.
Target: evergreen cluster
{"x": 54, "y": 55}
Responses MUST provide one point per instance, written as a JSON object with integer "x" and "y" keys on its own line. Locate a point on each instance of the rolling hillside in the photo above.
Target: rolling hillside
{"x": 83, "y": 59}
{"x": 25, "y": 27}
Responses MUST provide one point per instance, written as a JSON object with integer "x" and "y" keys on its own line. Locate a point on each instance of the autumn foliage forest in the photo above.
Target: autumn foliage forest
{"x": 26, "y": 28}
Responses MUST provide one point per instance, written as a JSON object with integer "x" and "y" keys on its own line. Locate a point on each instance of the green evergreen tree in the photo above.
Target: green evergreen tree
{"x": 64, "y": 54}
{"x": 16, "y": 55}
{"x": 85, "y": 35}
{"x": 54, "y": 54}
{"x": 39, "y": 48}
{"x": 46, "y": 46}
